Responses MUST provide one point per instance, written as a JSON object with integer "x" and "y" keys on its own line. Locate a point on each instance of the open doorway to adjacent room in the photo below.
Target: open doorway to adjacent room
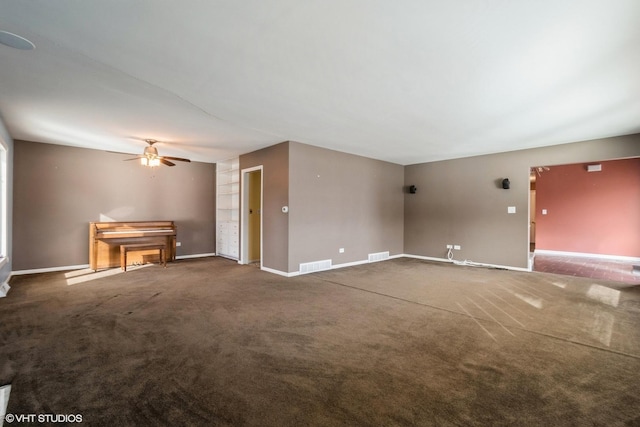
{"x": 251, "y": 242}
{"x": 533, "y": 175}
{"x": 585, "y": 219}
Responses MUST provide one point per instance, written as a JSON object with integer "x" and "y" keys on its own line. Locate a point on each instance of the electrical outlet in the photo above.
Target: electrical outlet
{"x": 341, "y": 250}
{"x": 449, "y": 246}
{"x": 456, "y": 247}
{"x": 178, "y": 243}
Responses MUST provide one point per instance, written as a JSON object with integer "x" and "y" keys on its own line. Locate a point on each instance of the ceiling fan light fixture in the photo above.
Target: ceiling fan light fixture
{"x": 150, "y": 151}
{"x": 149, "y": 161}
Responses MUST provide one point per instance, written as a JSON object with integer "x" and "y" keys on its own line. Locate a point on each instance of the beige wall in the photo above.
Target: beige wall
{"x": 60, "y": 189}
{"x": 460, "y": 201}
{"x": 275, "y": 224}
{"x": 357, "y": 203}
{"x": 340, "y": 200}
{"x": 336, "y": 200}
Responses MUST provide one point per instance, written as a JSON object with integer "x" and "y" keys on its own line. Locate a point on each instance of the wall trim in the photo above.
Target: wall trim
{"x": 364, "y": 261}
{"x": 195, "y": 256}
{"x": 333, "y": 267}
{"x": 278, "y": 272}
{"x": 50, "y": 269}
{"x": 469, "y": 263}
{"x": 351, "y": 264}
{"x": 295, "y": 273}
{"x": 81, "y": 266}
{"x": 427, "y": 258}
{"x": 587, "y": 255}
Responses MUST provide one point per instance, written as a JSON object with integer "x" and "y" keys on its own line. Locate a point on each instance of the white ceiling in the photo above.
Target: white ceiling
{"x": 405, "y": 81}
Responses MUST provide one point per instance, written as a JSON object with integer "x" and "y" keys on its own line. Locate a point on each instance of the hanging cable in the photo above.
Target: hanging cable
{"x": 465, "y": 262}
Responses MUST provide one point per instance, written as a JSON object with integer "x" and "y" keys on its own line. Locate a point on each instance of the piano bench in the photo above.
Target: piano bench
{"x": 124, "y": 249}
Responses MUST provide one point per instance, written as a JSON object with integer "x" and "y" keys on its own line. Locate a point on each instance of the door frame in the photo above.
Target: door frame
{"x": 244, "y": 214}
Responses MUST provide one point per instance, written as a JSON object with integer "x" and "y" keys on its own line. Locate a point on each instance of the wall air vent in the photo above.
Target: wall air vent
{"x": 379, "y": 256}
{"x": 311, "y": 267}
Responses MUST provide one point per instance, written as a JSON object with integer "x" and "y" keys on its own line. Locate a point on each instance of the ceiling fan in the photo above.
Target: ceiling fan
{"x": 151, "y": 158}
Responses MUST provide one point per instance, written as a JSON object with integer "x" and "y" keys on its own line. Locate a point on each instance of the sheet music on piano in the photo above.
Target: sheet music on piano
{"x": 105, "y": 239}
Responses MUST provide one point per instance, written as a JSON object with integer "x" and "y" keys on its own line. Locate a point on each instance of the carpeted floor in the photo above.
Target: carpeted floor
{"x": 400, "y": 342}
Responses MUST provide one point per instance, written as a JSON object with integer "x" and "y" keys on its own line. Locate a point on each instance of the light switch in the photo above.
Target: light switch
{"x": 544, "y": 211}
{"x": 511, "y": 209}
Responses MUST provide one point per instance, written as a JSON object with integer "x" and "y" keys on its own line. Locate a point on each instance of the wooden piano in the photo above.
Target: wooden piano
{"x": 105, "y": 239}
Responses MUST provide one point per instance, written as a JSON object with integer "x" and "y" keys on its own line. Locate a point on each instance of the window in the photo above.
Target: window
{"x": 3, "y": 200}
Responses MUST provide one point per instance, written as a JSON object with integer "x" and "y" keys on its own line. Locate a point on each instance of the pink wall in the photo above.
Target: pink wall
{"x": 590, "y": 212}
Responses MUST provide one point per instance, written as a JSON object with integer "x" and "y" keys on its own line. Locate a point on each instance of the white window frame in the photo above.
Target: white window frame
{"x": 4, "y": 168}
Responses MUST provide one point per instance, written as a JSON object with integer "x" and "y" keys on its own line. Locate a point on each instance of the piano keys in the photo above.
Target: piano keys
{"x": 105, "y": 239}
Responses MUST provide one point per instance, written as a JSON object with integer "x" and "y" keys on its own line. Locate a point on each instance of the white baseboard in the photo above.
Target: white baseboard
{"x": 469, "y": 263}
{"x": 587, "y": 255}
{"x": 333, "y": 267}
{"x": 50, "y": 269}
{"x": 278, "y": 272}
{"x": 426, "y": 258}
{"x": 351, "y": 264}
{"x": 195, "y": 256}
{"x": 283, "y": 273}
{"x": 81, "y": 266}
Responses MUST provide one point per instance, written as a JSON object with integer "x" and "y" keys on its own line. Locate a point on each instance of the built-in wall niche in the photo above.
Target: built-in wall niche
{"x": 228, "y": 208}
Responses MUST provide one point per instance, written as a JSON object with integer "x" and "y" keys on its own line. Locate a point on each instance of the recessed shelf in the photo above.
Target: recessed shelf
{"x": 227, "y": 208}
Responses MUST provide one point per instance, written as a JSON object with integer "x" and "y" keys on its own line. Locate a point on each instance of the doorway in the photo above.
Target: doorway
{"x": 251, "y": 216}
{"x": 584, "y": 223}
{"x": 532, "y": 212}
{"x": 534, "y": 173}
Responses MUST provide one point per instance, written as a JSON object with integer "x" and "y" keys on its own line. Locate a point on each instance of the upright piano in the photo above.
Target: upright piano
{"x": 105, "y": 239}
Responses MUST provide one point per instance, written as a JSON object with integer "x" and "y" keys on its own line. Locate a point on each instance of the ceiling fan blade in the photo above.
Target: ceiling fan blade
{"x": 179, "y": 159}
{"x": 134, "y": 158}
{"x": 164, "y": 161}
{"x": 119, "y": 152}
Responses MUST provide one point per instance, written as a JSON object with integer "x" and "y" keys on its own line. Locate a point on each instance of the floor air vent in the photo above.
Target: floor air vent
{"x": 379, "y": 256}
{"x": 310, "y": 267}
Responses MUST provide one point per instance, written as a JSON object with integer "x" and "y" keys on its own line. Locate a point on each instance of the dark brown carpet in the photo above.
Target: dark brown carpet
{"x": 400, "y": 342}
